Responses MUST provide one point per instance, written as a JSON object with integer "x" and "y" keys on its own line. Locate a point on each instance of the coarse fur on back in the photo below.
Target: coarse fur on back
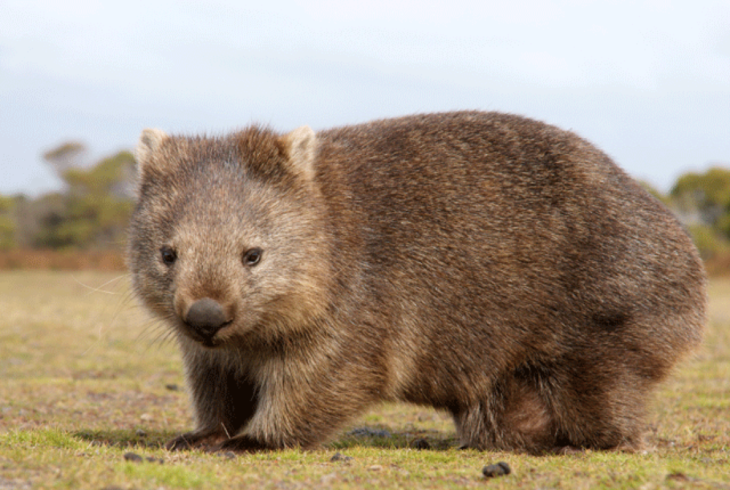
{"x": 485, "y": 264}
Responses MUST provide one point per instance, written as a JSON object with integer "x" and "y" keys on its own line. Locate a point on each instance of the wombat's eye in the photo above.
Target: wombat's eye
{"x": 253, "y": 256}
{"x": 168, "y": 255}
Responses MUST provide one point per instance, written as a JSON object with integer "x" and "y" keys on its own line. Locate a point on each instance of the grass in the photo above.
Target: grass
{"x": 85, "y": 379}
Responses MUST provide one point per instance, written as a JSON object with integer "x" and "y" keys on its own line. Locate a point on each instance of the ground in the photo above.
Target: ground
{"x": 86, "y": 377}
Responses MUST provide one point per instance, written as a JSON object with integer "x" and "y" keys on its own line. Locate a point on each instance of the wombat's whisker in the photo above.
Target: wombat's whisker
{"x": 100, "y": 289}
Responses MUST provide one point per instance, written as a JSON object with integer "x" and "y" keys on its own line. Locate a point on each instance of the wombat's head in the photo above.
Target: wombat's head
{"x": 227, "y": 241}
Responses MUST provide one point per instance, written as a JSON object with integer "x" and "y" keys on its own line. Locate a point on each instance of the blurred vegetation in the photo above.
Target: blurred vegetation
{"x": 91, "y": 212}
{"x": 703, "y": 201}
{"x": 7, "y": 223}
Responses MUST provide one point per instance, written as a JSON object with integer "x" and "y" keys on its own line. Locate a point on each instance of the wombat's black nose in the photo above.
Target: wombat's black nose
{"x": 206, "y": 316}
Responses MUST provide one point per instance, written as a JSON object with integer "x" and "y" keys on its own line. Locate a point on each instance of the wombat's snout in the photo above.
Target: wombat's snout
{"x": 206, "y": 316}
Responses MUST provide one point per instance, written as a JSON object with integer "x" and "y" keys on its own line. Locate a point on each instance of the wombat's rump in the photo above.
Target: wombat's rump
{"x": 481, "y": 263}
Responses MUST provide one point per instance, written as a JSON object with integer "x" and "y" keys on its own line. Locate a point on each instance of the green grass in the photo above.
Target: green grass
{"x": 85, "y": 377}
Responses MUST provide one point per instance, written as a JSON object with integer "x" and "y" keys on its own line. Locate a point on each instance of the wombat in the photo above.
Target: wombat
{"x": 485, "y": 264}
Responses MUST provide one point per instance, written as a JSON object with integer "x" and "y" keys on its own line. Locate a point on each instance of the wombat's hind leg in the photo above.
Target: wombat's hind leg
{"x": 514, "y": 417}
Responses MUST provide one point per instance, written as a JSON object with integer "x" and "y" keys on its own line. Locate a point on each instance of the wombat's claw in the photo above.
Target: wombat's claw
{"x": 240, "y": 444}
{"x": 180, "y": 443}
{"x": 567, "y": 450}
{"x": 193, "y": 440}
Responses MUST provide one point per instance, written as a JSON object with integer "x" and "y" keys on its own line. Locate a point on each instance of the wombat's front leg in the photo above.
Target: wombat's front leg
{"x": 204, "y": 438}
{"x": 302, "y": 406}
{"x": 286, "y": 427}
{"x": 223, "y": 399}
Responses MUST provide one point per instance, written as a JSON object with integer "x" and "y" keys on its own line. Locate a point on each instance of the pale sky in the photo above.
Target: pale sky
{"x": 646, "y": 81}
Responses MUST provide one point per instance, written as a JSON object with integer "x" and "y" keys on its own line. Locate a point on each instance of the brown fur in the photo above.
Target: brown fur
{"x": 486, "y": 264}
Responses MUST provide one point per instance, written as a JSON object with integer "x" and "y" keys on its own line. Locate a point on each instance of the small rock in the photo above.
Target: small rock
{"x": 146, "y": 417}
{"x": 375, "y": 467}
{"x": 339, "y": 457}
{"x": 420, "y": 444}
{"x": 499, "y": 469}
{"x": 152, "y": 459}
{"x": 134, "y": 458}
{"x": 140, "y": 433}
{"x": 172, "y": 387}
{"x": 229, "y": 455}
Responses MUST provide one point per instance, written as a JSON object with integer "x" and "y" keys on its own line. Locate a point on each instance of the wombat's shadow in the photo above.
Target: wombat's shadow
{"x": 363, "y": 436}
{"x": 125, "y": 438}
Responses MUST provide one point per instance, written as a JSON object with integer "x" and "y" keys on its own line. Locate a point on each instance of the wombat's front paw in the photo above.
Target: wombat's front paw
{"x": 567, "y": 450}
{"x": 241, "y": 444}
{"x": 196, "y": 439}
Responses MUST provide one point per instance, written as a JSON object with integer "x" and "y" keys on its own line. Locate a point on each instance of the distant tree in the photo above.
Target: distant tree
{"x": 708, "y": 241}
{"x": 99, "y": 203}
{"x": 702, "y": 202}
{"x": 94, "y": 210}
{"x": 66, "y": 156}
{"x": 7, "y": 223}
{"x": 707, "y": 196}
{"x": 43, "y": 219}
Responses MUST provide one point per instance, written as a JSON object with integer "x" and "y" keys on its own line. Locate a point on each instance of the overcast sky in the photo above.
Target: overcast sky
{"x": 647, "y": 81}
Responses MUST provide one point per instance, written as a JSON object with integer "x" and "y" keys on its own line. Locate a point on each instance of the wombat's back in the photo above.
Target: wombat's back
{"x": 505, "y": 247}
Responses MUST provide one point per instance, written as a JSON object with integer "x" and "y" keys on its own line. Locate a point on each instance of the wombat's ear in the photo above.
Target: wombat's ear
{"x": 301, "y": 146}
{"x": 149, "y": 141}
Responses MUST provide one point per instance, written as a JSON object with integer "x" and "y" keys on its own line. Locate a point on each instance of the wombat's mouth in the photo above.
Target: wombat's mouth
{"x": 211, "y": 343}
{"x": 207, "y": 338}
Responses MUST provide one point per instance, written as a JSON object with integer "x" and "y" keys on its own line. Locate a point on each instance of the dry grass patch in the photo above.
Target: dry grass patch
{"x": 86, "y": 379}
